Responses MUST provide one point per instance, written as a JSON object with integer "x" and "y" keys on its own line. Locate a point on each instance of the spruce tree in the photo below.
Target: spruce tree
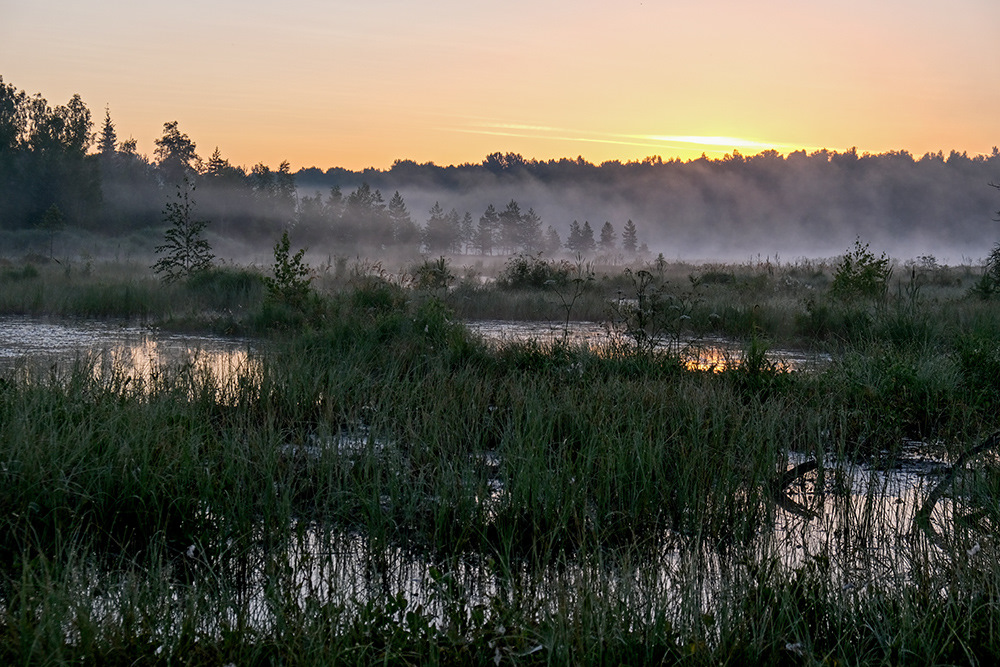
{"x": 607, "y": 237}
{"x": 630, "y": 239}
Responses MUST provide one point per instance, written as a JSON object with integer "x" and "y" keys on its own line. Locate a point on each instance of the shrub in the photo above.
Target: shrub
{"x": 523, "y": 271}
{"x": 433, "y": 274}
{"x": 290, "y": 284}
{"x": 989, "y": 283}
{"x": 861, "y": 274}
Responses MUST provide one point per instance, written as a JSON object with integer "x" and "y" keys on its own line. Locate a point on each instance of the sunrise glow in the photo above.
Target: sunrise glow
{"x": 345, "y": 84}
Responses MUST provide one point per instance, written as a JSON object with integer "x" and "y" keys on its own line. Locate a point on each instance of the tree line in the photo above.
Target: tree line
{"x": 58, "y": 168}
{"x": 51, "y": 178}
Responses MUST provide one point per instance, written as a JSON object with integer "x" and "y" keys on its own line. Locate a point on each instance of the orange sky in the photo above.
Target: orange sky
{"x": 356, "y": 84}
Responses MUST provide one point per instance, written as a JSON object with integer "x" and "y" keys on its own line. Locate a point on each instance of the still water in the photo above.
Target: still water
{"x": 707, "y": 353}
{"x": 857, "y": 518}
{"x": 130, "y": 349}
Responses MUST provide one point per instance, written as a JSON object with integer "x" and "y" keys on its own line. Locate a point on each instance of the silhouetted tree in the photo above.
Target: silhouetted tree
{"x": 107, "y": 141}
{"x": 441, "y": 232}
{"x": 467, "y": 231}
{"x": 586, "y": 238}
{"x": 607, "y": 237}
{"x": 184, "y": 250}
{"x": 630, "y": 238}
{"x": 486, "y": 231}
{"x": 573, "y": 242}
{"x": 176, "y": 154}
{"x": 285, "y": 195}
{"x": 510, "y": 227}
{"x": 404, "y": 231}
{"x": 530, "y": 236}
{"x": 552, "y": 242}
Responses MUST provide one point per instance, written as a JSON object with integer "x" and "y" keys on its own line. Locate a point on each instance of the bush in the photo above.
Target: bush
{"x": 989, "y": 284}
{"x": 290, "y": 284}
{"x": 524, "y": 271}
{"x": 861, "y": 274}
{"x": 433, "y": 275}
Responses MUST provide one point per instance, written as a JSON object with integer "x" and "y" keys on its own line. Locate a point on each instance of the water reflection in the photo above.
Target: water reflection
{"x": 709, "y": 353}
{"x": 115, "y": 350}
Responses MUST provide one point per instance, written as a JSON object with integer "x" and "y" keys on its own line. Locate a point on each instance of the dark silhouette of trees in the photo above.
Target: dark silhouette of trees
{"x": 630, "y": 238}
{"x": 467, "y": 231}
{"x": 486, "y": 231}
{"x": 551, "y": 244}
{"x": 608, "y": 240}
{"x": 510, "y": 228}
{"x": 184, "y": 250}
{"x": 405, "y": 232}
{"x": 107, "y": 141}
{"x": 176, "y": 154}
{"x": 441, "y": 233}
{"x": 586, "y": 238}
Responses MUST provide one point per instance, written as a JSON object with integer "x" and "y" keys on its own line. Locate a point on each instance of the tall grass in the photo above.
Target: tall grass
{"x": 378, "y": 485}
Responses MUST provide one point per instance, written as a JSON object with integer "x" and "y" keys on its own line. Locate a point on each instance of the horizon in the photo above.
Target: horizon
{"x": 340, "y": 85}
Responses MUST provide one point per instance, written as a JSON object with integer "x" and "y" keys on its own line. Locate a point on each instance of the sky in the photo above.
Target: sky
{"x": 362, "y": 84}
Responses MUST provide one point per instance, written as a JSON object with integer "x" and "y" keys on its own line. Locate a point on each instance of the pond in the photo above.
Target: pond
{"x": 133, "y": 350}
{"x": 711, "y": 353}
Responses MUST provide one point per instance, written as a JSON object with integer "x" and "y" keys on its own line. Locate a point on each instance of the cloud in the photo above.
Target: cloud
{"x": 707, "y": 143}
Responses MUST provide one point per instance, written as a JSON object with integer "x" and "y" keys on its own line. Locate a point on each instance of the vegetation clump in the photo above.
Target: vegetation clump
{"x": 861, "y": 274}
{"x": 524, "y": 271}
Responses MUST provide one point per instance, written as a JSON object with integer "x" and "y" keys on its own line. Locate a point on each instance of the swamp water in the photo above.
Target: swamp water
{"x": 855, "y": 520}
{"x": 705, "y": 353}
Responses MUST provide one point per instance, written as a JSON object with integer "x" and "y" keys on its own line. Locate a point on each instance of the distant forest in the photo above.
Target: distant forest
{"x": 61, "y": 170}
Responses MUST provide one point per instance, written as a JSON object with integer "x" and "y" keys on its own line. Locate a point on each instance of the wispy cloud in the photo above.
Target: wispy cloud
{"x": 709, "y": 144}
{"x": 554, "y": 134}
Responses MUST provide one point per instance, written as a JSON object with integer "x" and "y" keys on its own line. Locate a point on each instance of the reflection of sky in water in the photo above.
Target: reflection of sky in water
{"x": 708, "y": 353}
{"x": 129, "y": 349}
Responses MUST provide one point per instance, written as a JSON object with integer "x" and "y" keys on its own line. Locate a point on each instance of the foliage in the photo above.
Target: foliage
{"x": 433, "y": 275}
{"x": 861, "y": 274}
{"x": 579, "y": 277}
{"x": 290, "y": 283}
{"x": 523, "y": 271}
{"x": 630, "y": 238}
{"x": 651, "y": 315}
{"x": 988, "y": 284}
{"x": 185, "y": 251}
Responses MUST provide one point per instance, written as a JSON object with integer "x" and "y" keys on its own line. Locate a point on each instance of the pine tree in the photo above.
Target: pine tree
{"x": 441, "y": 232}
{"x": 630, "y": 239}
{"x": 510, "y": 227}
{"x": 486, "y": 231}
{"x": 586, "y": 238}
{"x": 607, "y": 238}
{"x": 404, "y": 230}
{"x": 184, "y": 251}
{"x": 531, "y": 232}
{"x": 467, "y": 231}
{"x": 552, "y": 242}
{"x": 575, "y": 237}
{"x": 108, "y": 139}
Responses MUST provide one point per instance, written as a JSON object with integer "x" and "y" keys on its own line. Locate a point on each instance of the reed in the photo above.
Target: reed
{"x": 376, "y": 484}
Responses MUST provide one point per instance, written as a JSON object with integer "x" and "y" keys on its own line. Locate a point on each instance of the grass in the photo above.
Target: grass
{"x": 378, "y": 485}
